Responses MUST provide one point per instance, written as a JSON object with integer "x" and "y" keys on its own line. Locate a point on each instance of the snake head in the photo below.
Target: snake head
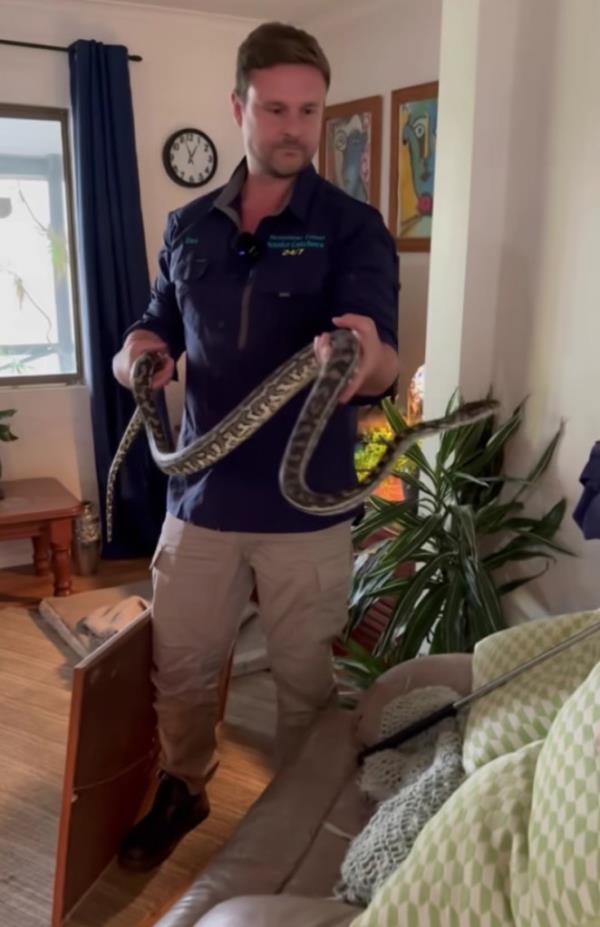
{"x": 481, "y": 408}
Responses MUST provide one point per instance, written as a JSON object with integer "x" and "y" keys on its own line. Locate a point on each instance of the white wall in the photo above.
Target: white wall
{"x": 558, "y": 359}
{"x": 185, "y": 79}
{"x": 386, "y": 45}
{"x": 515, "y": 275}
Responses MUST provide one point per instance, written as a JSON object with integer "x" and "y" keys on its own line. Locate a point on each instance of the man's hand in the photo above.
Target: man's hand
{"x": 138, "y": 342}
{"x": 378, "y": 363}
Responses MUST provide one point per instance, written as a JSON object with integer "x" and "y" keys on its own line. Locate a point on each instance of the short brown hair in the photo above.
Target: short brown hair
{"x": 277, "y": 43}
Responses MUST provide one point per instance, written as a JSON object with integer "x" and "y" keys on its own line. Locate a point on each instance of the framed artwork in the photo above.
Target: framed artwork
{"x": 350, "y": 149}
{"x": 412, "y": 165}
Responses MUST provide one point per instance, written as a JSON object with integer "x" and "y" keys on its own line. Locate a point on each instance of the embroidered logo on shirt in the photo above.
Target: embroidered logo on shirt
{"x": 294, "y": 245}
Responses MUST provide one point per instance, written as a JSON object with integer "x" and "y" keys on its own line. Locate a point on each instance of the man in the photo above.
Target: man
{"x": 248, "y": 275}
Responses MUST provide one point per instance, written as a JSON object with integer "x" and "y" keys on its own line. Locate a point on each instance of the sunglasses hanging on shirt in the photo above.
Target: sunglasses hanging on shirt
{"x": 247, "y": 246}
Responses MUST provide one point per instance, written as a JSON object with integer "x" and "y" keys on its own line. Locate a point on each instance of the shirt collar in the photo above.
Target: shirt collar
{"x": 298, "y": 203}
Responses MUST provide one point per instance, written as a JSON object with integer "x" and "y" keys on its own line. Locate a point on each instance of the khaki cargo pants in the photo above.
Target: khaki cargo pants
{"x": 203, "y": 580}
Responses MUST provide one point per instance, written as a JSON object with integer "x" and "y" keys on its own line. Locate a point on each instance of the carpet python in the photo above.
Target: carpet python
{"x": 258, "y": 407}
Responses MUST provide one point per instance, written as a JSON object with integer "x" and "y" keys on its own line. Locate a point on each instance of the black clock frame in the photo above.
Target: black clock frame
{"x": 167, "y": 160}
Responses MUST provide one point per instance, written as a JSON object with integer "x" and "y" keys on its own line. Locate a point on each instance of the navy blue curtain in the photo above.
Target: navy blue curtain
{"x": 114, "y": 281}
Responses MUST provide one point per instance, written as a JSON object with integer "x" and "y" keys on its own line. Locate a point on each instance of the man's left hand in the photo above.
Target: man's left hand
{"x": 378, "y": 363}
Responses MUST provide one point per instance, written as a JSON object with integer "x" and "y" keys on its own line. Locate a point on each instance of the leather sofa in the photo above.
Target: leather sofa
{"x": 281, "y": 865}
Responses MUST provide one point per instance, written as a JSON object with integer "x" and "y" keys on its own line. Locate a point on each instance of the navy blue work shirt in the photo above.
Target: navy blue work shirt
{"x": 239, "y": 317}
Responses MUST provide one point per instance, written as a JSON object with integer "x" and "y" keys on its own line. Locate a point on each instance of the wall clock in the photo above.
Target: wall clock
{"x": 190, "y": 157}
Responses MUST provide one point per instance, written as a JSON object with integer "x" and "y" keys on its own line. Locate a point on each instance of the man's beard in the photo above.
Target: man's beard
{"x": 276, "y": 168}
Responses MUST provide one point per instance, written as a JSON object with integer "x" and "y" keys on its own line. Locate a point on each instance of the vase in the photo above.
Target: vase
{"x": 87, "y": 540}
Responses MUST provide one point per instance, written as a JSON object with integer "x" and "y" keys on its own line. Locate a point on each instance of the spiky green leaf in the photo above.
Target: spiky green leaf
{"x": 408, "y": 599}
{"x": 543, "y": 463}
{"x": 421, "y": 622}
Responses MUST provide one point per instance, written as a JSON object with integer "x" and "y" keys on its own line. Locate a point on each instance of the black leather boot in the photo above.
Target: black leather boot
{"x": 174, "y": 813}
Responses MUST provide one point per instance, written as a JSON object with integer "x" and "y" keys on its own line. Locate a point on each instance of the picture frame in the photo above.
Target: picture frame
{"x": 412, "y": 165}
{"x": 350, "y": 148}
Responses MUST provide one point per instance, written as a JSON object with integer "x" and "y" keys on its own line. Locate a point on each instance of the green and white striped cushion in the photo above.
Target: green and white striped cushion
{"x": 518, "y": 844}
{"x": 523, "y": 710}
{"x": 564, "y": 828}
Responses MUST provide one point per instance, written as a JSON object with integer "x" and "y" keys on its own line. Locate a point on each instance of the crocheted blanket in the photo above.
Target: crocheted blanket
{"x": 410, "y": 784}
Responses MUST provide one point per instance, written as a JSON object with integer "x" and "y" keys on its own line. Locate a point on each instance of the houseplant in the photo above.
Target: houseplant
{"x": 469, "y": 528}
{"x": 5, "y": 435}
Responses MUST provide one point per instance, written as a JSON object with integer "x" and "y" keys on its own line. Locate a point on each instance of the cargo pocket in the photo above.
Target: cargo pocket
{"x": 334, "y": 572}
{"x": 333, "y": 577}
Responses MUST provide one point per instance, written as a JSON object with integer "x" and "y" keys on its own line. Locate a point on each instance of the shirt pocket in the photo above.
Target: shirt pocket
{"x": 187, "y": 266}
{"x": 290, "y": 302}
{"x": 209, "y": 300}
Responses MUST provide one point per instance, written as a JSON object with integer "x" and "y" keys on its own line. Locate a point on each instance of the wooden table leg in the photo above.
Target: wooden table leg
{"x": 41, "y": 554}
{"x": 60, "y": 531}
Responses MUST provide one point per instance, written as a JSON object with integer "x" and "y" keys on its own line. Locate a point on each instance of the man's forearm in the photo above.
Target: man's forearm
{"x": 384, "y": 375}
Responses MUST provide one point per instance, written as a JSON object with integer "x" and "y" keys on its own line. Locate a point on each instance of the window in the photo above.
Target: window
{"x": 39, "y": 335}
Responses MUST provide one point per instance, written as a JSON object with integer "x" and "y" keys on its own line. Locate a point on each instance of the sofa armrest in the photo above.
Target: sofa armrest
{"x": 446, "y": 669}
{"x": 278, "y": 910}
{"x": 279, "y": 828}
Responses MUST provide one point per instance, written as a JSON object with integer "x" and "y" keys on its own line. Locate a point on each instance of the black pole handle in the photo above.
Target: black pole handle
{"x": 417, "y": 727}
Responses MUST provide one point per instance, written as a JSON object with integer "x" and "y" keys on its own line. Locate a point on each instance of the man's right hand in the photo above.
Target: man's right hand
{"x": 137, "y": 343}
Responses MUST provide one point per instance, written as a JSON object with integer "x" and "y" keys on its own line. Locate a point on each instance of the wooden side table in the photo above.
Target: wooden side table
{"x": 43, "y": 510}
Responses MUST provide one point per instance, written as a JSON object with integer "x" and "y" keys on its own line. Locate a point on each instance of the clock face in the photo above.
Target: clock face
{"x": 190, "y": 157}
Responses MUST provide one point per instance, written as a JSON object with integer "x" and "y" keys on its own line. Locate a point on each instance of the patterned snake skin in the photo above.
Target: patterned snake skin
{"x": 262, "y": 403}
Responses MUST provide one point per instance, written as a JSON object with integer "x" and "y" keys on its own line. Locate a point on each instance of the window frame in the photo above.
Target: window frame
{"x": 55, "y": 114}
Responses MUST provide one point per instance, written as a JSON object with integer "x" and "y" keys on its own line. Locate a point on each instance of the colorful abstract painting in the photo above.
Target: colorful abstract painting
{"x": 414, "y": 136}
{"x": 350, "y": 151}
